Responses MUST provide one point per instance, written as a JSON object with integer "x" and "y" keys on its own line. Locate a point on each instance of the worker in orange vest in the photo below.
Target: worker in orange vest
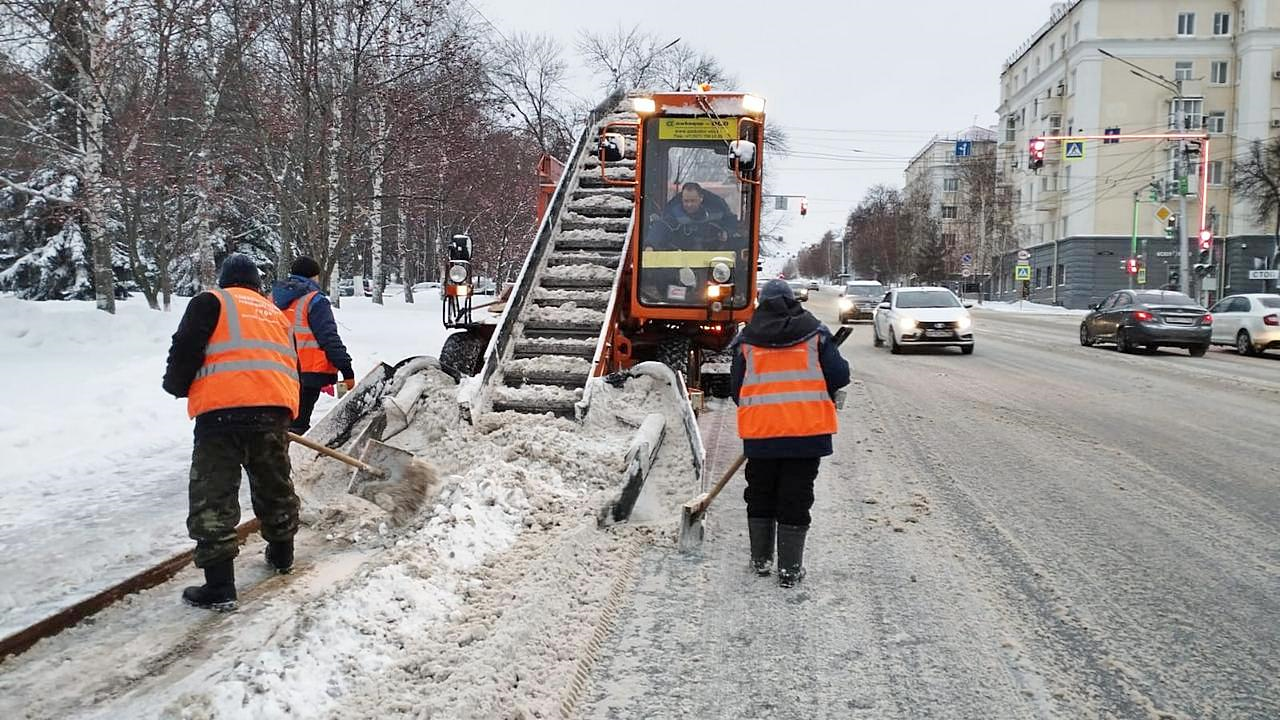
{"x": 785, "y": 373}
{"x": 321, "y": 353}
{"x": 233, "y": 358}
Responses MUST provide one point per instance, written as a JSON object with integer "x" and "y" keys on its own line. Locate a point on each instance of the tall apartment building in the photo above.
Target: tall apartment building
{"x": 934, "y": 172}
{"x": 1076, "y": 216}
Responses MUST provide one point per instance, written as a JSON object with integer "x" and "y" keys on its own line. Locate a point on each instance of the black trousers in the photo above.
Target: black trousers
{"x": 306, "y": 403}
{"x": 781, "y": 489}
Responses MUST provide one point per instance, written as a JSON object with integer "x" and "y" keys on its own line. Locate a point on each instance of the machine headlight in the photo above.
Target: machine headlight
{"x": 464, "y": 290}
{"x": 965, "y": 323}
{"x": 907, "y": 323}
{"x": 457, "y": 274}
{"x": 720, "y": 272}
{"x": 643, "y": 105}
{"x": 753, "y": 103}
{"x": 846, "y": 304}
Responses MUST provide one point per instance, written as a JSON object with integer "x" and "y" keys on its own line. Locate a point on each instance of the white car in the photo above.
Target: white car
{"x": 1250, "y": 323}
{"x": 923, "y": 316}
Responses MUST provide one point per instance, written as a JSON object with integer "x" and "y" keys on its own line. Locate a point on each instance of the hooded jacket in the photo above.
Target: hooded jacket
{"x": 323, "y": 326}
{"x": 780, "y": 321}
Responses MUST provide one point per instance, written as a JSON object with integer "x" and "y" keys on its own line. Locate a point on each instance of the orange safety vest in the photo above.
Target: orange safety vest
{"x": 250, "y": 360}
{"x": 784, "y": 393}
{"x": 311, "y": 357}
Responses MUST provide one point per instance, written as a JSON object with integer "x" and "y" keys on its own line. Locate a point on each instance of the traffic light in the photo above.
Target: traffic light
{"x": 1205, "y": 263}
{"x": 804, "y": 206}
{"x": 1036, "y": 150}
{"x": 1171, "y": 227}
{"x": 1174, "y": 276}
{"x": 1131, "y": 266}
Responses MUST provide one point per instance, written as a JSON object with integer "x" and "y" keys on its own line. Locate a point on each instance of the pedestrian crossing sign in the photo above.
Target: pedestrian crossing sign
{"x": 1022, "y": 272}
{"x": 1073, "y": 150}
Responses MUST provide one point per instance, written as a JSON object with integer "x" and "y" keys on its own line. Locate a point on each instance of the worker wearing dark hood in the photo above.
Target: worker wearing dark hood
{"x": 785, "y": 373}
{"x": 321, "y": 354}
{"x": 233, "y": 358}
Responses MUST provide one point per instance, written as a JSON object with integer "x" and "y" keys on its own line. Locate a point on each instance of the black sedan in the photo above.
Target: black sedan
{"x": 1148, "y": 319}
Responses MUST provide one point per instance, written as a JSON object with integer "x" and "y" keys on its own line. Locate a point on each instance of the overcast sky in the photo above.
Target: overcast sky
{"x": 869, "y": 82}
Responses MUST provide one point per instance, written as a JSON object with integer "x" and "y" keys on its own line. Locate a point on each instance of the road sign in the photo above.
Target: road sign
{"x": 1022, "y": 272}
{"x": 1024, "y": 255}
{"x": 964, "y": 148}
{"x": 966, "y": 271}
{"x": 966, "y": 258}
{"x": 1142, "y": 276}
{"x": 1111, "y": 131}
{"x": 1073, "y": 150}
{"x": 1264, "y": 274}
{"x": 1163, "y": 213}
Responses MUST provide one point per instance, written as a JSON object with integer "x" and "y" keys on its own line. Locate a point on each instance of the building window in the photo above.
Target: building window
{"x": 1011, "y": 129}
{"x": 1186, "y": 24}
{"x": 1193, "y": 112}
{"x": 1055, "y": 124}
{"x": 1066, "y": 178}
{"x": 1218, "y": 72}
{"x": 950, "y": 184}
{"x": 1075, "y": 32}
{"x": 1222, "y": 23}
{"x": 1037, "y": 65}
{"x": 1038, "y": 273}
{"x": 1062, "y": 275}
{"x": 948, "y": 240}
{"x": 948, "y": 212}
{"x": 1182, "y": 70}
{"x": 1053, "y": 51}
{"x": 1215, "y": 172}
{"x": 1071, "y": 89}
{"x": 1216, "y": 122}
{"x": 1024, "y": 76}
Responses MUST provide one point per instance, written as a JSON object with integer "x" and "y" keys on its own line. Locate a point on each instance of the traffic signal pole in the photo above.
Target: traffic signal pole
{"x": 1133, "y": 242}
{"x": 1179, "y": 174}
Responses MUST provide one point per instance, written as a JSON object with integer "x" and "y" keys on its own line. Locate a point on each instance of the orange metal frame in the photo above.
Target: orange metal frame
{"x": 642, "y": 313}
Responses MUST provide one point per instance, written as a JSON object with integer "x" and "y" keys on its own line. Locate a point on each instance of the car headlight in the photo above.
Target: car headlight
{"x": 965, "y": 323}
{"x": 846, "y": 304}
{"x": 720, "y": 272}
{"x": 907, "y": 323}
{"x": 457, "y": 273}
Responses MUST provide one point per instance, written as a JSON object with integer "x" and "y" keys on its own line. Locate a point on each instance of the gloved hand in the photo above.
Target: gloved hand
{"x": 344, "y": 386}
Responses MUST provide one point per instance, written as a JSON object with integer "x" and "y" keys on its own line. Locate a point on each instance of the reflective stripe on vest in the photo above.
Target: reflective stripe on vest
{"x": 249, "y": 361}
{"x": 784, "y": 393}
{"x": 311, "y": 357}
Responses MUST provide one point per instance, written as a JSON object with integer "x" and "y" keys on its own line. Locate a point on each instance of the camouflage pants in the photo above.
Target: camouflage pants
{"x": 214, "y": 493}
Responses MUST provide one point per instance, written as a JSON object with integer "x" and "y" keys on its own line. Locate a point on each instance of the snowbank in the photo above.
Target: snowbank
{"x": 1029, "y": 308}
{"x": 97, "y": 455}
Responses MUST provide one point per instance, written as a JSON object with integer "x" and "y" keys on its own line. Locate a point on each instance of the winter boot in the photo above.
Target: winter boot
{"x": 280, "y": 556}
{"x": 219, "y": 589}
{"x": 790, "y": 554}
{"x": 761, "y": 531}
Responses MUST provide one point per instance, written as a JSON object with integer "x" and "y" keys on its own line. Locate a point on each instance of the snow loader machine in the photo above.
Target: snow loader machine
{"x": 648, "y": 251}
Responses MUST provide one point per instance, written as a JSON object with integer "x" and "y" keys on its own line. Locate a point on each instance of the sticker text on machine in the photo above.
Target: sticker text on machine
{"x": 698, "y": 129}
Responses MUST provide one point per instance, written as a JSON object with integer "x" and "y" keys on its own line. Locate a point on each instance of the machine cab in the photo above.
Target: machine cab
{"x": 698, "y": 209}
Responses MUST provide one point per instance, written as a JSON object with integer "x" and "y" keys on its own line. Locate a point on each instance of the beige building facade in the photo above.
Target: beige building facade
{"x": 1226, "y": 56}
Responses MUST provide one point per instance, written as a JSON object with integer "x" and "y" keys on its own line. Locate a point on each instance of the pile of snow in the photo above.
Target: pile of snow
{"x": 580, "y": 272}
{"x": 571, "y": 295}
{"x": 95, "y": 449}
{"x": 547, "y": 364}
{"x": 603, "y": 201}
{"x": 1030, "y": 308}
{"x": 568, "y": 314}
{"x": 593, "y": 234}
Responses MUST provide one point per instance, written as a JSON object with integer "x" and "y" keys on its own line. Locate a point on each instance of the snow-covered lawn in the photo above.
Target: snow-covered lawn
{"x": 1029, "y": 308}
{"x": 96, "y": 455}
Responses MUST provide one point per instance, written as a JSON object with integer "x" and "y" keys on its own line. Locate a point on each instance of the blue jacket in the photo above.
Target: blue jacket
{"x": 323, "y": 326}
{"x": 781, "y": 322}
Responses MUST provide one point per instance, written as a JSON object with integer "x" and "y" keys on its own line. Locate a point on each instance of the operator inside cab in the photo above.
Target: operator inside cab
{"x": 690, "y": 223}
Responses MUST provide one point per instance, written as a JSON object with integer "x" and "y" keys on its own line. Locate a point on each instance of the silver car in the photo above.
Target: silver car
{"x": 1250, "y": 323}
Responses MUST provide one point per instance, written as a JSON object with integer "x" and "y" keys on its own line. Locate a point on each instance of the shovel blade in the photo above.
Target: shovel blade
{"x": 691, "y": 530}
{"x": 392, "y": 461}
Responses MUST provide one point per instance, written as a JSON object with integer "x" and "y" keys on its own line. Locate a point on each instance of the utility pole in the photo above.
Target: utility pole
{"x": 1179, "y": 175}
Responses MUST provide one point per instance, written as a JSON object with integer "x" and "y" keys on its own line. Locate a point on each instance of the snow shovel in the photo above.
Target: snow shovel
{"x": 391, "y": 478}
{"x": 692, "y": 512}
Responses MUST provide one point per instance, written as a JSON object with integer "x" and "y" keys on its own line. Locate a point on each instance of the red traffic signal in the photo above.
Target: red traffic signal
{"x": 1206, "y": 239}
{"x": 804, "y": 206}
{"x": 1036, "y": 154}
{"x": 1131, "y": 266}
